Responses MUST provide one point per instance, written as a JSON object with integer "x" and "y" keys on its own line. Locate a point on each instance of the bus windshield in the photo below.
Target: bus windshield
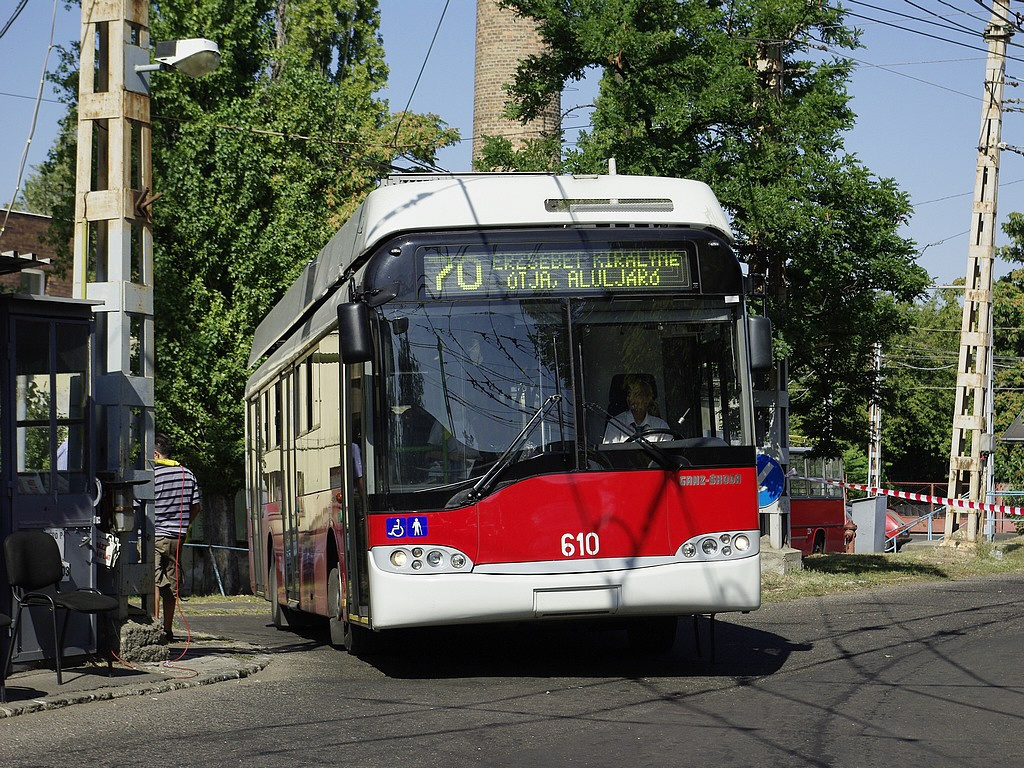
{"x": 463, "y": 380}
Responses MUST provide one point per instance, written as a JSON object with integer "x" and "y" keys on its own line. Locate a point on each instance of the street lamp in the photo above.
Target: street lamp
{"x": 194, "y": 57}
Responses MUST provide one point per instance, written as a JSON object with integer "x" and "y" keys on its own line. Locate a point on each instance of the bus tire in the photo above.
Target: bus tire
{"x": 277, "y": 614}
{"x": 336, "y": 617}
{"x": 360, "y": 641}
{"x": 819, "y": 544}
{"x": 654, "y": 636}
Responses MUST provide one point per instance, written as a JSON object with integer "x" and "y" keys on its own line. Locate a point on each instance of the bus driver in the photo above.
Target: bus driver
{"x": 639, "y": 417}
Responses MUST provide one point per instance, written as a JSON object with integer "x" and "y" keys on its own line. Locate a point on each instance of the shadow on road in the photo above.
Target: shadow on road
{"x": 576, "y": 650}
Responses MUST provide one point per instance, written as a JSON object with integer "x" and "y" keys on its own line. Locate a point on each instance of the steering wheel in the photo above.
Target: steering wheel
{"x": 655, "y": 431}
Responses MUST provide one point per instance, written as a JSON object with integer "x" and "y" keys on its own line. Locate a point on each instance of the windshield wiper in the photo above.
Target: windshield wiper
{"x": 666, "y": 460}
{"x": 483, "y": 485}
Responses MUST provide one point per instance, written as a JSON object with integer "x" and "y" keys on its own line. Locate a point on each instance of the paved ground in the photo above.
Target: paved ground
{"x": 204, "y": 659}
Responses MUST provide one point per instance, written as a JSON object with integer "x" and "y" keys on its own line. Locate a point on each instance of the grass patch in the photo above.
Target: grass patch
{"x": 831, "y": 574}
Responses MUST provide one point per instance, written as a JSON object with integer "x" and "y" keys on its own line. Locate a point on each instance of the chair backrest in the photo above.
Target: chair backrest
{"x": 33, "y": 560}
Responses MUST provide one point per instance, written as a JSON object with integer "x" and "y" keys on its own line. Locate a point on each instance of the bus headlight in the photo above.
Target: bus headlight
{"x": 714, "y": 547}
{"x": 434, "y": 559}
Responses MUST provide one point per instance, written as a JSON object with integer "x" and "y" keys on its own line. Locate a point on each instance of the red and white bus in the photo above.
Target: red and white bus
{"x": 818, "y": 511}
{"x": 425, "y": 431}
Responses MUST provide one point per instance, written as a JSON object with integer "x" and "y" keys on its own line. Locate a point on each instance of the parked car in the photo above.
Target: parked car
{"x": 894, "y": 527}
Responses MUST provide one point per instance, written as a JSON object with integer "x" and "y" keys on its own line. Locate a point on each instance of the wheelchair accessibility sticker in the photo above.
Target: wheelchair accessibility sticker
{"x": 402, "y": 527}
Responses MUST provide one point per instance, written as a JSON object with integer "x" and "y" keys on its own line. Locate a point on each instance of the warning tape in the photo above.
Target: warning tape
{"x": 961, "y": 503}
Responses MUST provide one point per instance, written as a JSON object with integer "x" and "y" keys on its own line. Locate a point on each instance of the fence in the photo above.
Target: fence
{"x": 201, "y": 573}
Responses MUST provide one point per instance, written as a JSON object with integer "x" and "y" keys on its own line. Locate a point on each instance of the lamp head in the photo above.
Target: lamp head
{"x": 194, "y": 57}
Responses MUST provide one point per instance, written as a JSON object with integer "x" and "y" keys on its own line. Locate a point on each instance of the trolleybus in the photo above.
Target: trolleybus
{"x": 427, "y": 430}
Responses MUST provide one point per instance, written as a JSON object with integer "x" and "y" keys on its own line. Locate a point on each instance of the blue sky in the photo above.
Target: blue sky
{"x": 917, "y": 96}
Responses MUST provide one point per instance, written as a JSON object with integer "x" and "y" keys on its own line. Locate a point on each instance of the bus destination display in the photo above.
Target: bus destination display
{"x": 453, "y": 272}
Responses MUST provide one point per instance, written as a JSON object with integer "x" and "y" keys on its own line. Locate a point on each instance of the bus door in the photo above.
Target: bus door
{"x": 358, "y": 477}
{"x": 290, "y": 520}
{"x": 256, "y": 497}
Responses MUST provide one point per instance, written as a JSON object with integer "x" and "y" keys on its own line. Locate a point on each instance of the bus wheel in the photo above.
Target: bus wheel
{"x": 336, "y": 617}
{"x": 360, "y": 641}
{"x": 654, "y": 636}
{"x": 277, "y": 615}
{"x": 819, "y": 544}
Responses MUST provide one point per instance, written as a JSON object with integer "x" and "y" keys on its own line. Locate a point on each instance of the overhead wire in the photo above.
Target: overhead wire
{"x": 936, "y": 15}
{"x": 14, "y": 17}
{"x": 426, "y": 58}
{"x": 952, "y": 27}
{"x": 32, "y": 127}
{"x": 992, "y": 9}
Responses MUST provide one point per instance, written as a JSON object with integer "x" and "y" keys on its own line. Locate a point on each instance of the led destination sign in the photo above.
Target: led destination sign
{"x": 451, "y": 272}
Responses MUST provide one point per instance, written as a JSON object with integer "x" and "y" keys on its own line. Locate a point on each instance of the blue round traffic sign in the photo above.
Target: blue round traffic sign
{"x": 771, "y": 480}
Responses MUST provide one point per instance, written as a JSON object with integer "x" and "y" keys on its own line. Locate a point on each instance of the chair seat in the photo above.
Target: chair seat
{"x": 86, "y": 602}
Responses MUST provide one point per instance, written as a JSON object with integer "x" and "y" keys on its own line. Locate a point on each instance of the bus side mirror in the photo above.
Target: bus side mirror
{"x": 759, "y": 332}
{"x": 354, "y": 332}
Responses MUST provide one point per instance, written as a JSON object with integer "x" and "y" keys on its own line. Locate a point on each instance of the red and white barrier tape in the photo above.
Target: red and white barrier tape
{"x": 962, "y": 503}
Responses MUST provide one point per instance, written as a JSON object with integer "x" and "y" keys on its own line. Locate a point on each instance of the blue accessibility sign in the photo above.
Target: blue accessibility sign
{"x": 402, "y": 527}
{"x": 771, "y": 480}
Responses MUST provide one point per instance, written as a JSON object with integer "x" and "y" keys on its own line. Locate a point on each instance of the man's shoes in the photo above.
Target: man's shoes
{"x": 169, "y": 637}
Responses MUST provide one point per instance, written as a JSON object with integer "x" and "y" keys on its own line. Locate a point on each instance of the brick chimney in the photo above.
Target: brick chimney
{"x": 502, "y": 41}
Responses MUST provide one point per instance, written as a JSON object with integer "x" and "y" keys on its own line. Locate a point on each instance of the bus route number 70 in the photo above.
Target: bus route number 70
{"x": 580, "y": 544}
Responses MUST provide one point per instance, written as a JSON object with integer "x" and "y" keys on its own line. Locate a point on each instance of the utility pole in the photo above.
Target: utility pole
{"x": 971, "y": 441}
{"x": 875, "y": 417}
{"x": 113, "y": 254}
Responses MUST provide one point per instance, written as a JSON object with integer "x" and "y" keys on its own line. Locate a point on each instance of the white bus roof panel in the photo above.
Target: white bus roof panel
{"x": 433, "y": 202}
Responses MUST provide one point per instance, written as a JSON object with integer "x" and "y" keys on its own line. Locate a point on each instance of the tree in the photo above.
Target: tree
{"x": 258, "y": 164}
{"x": 730, "y": 94}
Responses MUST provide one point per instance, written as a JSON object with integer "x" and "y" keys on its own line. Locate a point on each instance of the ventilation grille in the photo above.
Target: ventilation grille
{"x": 607, "y": 205}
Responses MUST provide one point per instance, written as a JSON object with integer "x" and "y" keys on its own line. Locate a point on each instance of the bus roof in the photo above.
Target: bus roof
{"x": 432, "y": 202}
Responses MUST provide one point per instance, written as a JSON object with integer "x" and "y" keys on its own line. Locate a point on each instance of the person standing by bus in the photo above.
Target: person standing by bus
{"x": 176, "y": 505}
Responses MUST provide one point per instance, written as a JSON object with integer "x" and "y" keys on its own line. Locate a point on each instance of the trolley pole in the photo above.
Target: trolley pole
{"x": 973, "y": 385}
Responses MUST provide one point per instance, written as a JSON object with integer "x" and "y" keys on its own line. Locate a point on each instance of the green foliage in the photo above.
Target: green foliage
{"x": 687, "y": 91}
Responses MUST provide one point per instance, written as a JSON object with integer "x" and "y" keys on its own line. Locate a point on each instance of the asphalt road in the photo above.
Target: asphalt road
{"x": 921, "y": 675}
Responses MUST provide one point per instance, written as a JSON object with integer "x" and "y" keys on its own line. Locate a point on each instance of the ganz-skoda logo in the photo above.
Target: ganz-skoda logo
{"x": 712, "y": 479}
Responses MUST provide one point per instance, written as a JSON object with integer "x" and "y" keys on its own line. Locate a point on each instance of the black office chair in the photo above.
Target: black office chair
{"x": 35, "y": 571}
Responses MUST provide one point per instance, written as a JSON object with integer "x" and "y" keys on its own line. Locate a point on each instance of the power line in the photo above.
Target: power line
{"x": 437, "y": 29}
{"x": 14, "y": 16}
{"x": 926, "y": 34}
{"x": 933, "y": 13}
{"x": 953, "y": 28}
{"x": 35, "y": 117}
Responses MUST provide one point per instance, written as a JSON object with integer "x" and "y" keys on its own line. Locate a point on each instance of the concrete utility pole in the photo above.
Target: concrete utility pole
{"x": 113, "y": 250}
{"x": 971, "y": 441}
{"x": 875, "y": 418}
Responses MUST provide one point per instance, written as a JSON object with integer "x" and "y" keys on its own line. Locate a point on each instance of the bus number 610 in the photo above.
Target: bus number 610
{"x": 580, "y": 544}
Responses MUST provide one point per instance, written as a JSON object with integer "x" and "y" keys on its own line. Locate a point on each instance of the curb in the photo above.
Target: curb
{"x": 48, "y": 703}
